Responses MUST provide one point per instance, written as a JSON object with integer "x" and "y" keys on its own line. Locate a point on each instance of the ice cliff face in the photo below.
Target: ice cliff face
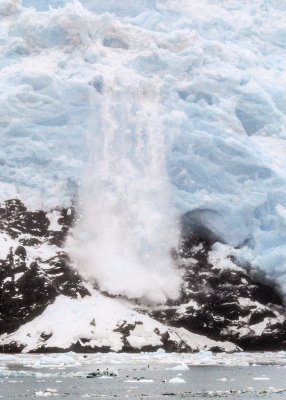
{"x": 162, "y": 123}
{"x": 217, "y": 72}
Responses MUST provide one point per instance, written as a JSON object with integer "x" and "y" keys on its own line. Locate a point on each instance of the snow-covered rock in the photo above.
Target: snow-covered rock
{"x": 99, "y": 323}
{"x": 33, "y": 268}
{"x": 138, "y": 113}
{"x": 225, "y": 300}
{"x": 47, "y": 306}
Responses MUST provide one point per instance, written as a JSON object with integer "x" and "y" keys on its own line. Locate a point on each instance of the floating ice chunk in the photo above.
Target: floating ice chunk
{"x": 160, "y": 351}
{"x": 261, "y": 378}
{"x": 7, "y": 357}
{"x": 205, "y": 353}
{"x": 46, "y": 393}
{"x": 177, "y": 380}
{"x": 64, "y": 358}
{"x": 180, "y": 367}
{"x": 139, "y": 381}
{"x": 21, "y": 374}
{"x": 37, "y": 364}
{"x": 52, "y": 390}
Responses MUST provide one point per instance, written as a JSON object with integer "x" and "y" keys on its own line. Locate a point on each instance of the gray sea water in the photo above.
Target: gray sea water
{"x": 144, "y": 376}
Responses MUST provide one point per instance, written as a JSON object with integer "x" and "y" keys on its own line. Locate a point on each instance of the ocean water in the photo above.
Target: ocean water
{"x": 145, "y": 376}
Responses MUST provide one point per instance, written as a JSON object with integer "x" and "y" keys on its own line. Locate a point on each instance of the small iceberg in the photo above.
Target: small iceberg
{"x": 261, "y": 378}
{"x": 104, "y": 373}
{"x": 177, "y": 380}
{"x": 180, "y": 367}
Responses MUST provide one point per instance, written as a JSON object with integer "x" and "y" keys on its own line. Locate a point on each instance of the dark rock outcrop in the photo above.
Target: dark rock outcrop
{"x": 225, "y": 301}
{"x": 219, "y": 298}
{"x": 29, "y": 283}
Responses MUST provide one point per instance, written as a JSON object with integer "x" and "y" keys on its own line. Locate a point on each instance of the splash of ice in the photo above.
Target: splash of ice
{"x": 128, "y": 217}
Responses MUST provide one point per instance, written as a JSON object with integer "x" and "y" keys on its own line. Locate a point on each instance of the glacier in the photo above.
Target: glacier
{"x": 210, "y": 74}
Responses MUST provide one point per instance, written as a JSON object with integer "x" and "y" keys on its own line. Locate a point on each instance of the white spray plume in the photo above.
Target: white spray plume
{"x": 128, "y": 226}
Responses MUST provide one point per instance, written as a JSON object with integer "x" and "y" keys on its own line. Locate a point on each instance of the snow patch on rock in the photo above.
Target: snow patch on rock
{"x": 94, "y": 321}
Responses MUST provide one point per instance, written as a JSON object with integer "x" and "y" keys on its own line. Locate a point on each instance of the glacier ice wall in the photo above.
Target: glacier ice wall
{"x": 220, "y": 66}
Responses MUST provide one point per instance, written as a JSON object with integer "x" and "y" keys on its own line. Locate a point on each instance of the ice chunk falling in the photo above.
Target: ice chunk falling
{"x": 128, "y": 225}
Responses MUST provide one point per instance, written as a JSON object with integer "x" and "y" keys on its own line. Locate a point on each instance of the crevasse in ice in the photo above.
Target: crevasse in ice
{"x": 217, "y": 70}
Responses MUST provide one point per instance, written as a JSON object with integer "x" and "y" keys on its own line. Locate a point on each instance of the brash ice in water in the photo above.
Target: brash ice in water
{"x": 128, "y": 224}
